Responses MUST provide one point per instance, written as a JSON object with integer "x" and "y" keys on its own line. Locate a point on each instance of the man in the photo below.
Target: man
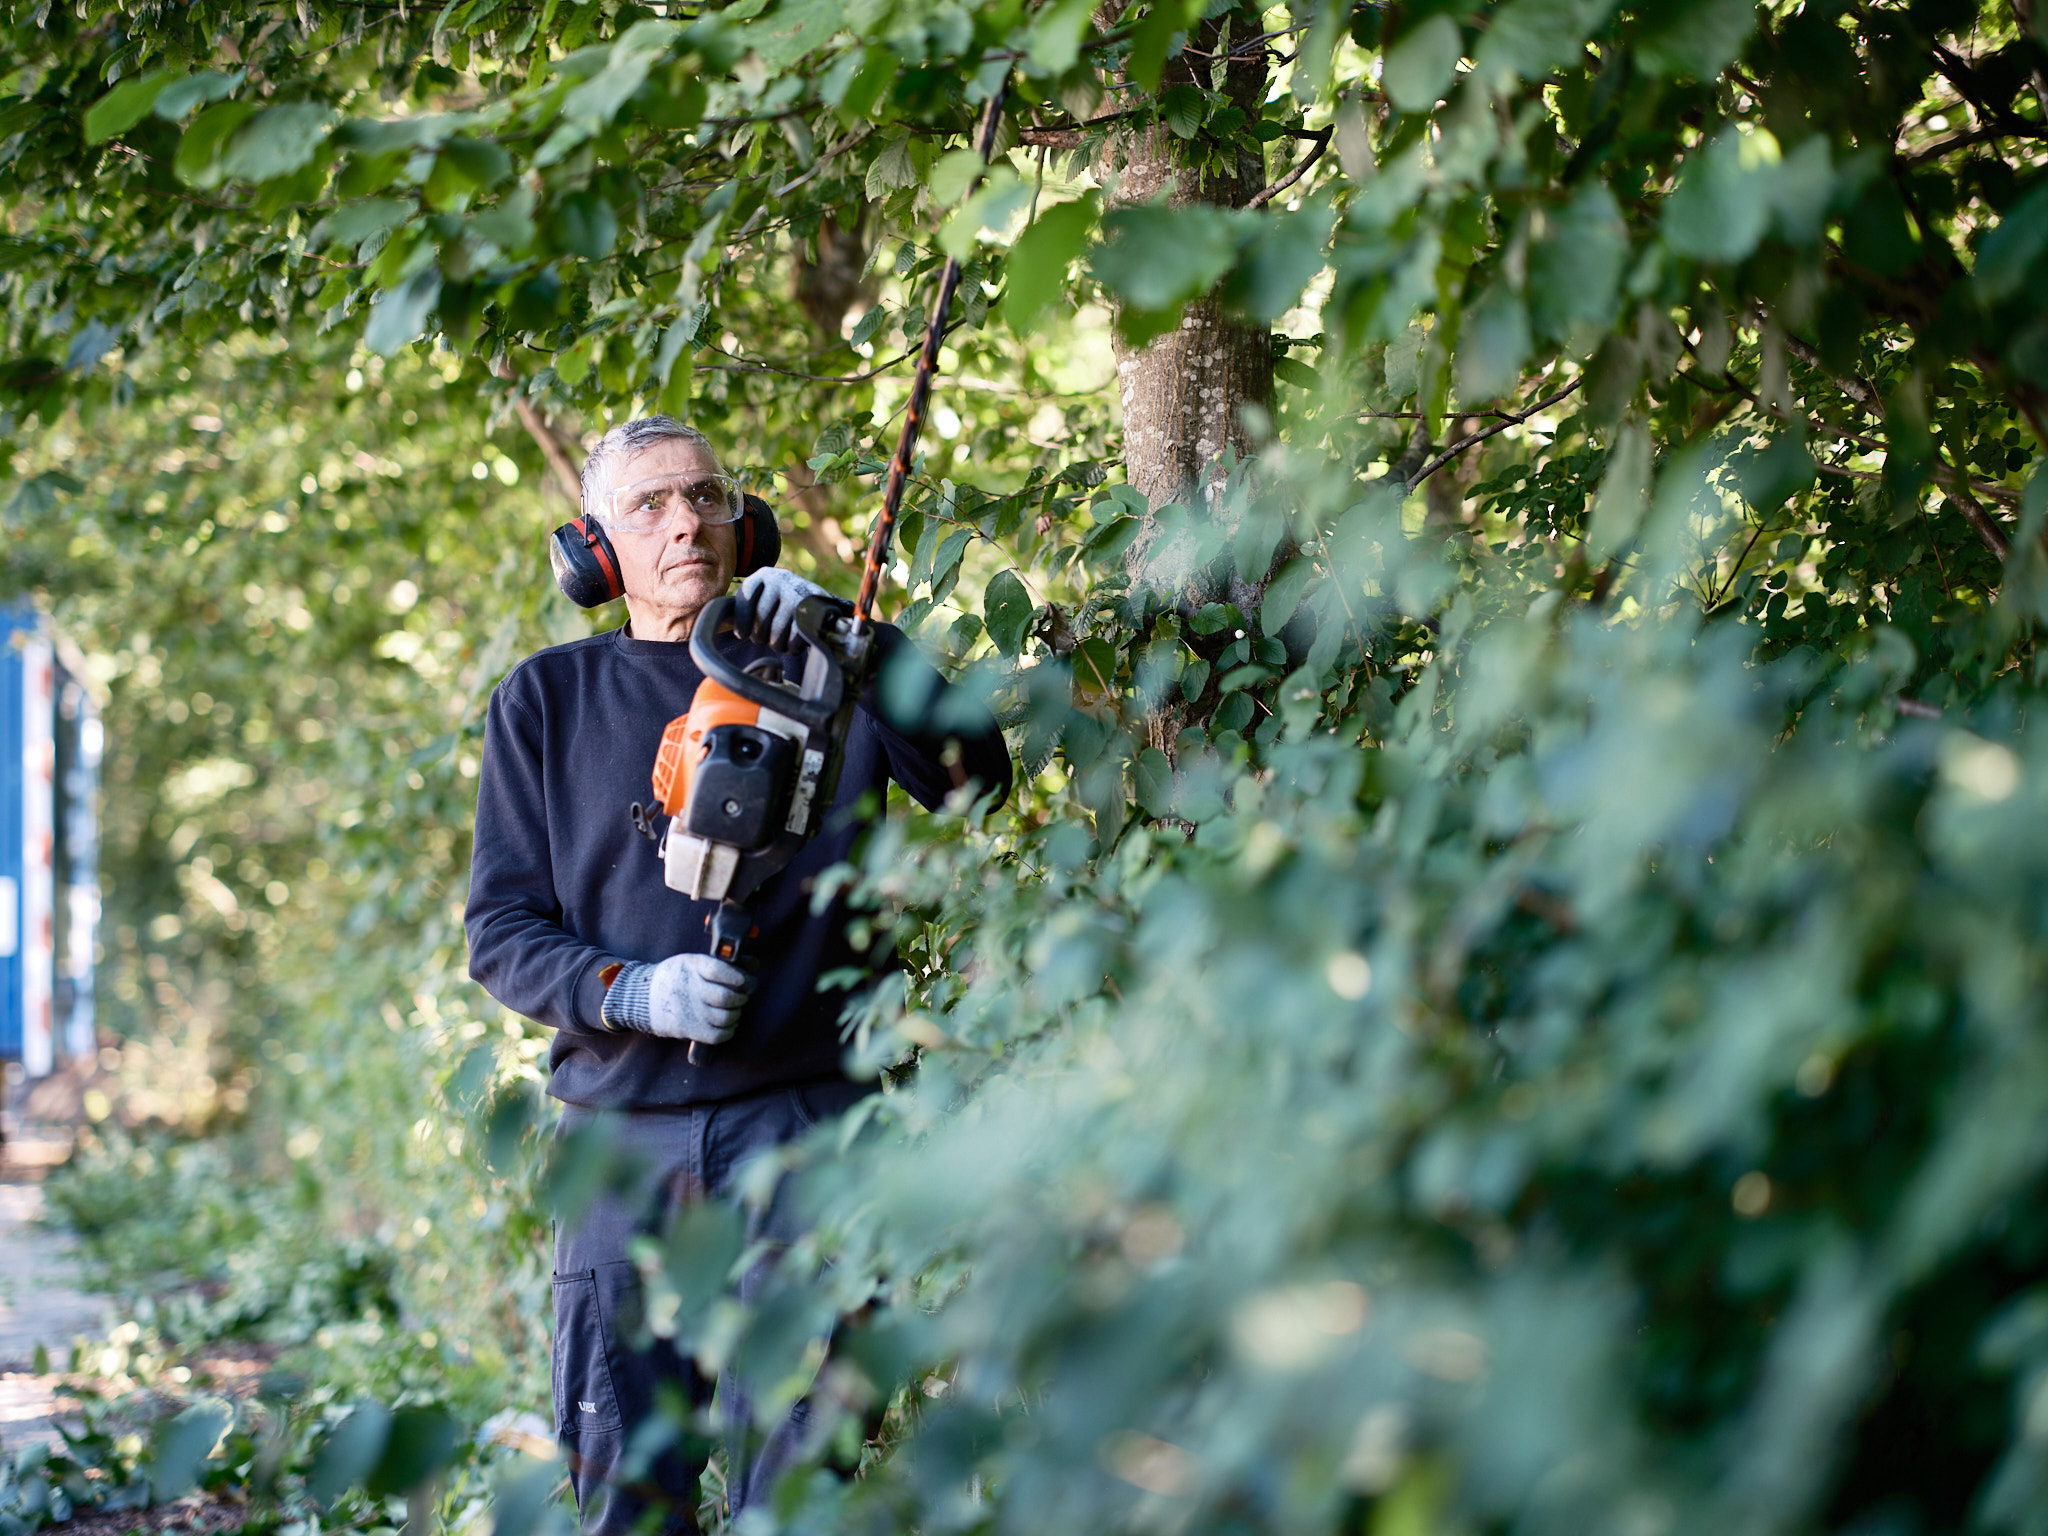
{"x": 570, "y": 924}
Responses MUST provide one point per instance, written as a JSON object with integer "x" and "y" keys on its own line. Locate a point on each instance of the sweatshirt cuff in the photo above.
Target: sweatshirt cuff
{"x": 587, "y": 1000}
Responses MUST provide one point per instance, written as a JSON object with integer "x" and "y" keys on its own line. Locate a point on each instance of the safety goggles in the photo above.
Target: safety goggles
{"x": 648, "y": 505}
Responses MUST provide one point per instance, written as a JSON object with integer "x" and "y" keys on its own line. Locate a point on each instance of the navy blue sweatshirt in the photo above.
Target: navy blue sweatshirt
{"x": 561, "y": 885}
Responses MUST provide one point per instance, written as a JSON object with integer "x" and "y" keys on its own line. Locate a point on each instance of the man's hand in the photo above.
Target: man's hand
{"x": 765, "y": 609}
{"x": 685, "y": 997}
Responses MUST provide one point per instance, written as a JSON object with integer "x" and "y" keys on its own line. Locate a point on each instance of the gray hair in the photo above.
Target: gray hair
{"x": 627, "y": 439}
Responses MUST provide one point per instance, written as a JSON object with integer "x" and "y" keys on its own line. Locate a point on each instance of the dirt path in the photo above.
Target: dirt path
{"x": 39, "y": 1298}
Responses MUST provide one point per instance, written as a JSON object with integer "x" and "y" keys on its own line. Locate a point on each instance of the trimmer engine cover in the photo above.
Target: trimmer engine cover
{"x": 742, "y": 789}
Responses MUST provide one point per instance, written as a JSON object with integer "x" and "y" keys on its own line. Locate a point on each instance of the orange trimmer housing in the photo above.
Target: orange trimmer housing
{"x": 683, "y": 742}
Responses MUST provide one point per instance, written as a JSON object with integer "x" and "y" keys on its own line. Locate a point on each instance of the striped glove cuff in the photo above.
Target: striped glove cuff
{"x": 627, "y": 1001}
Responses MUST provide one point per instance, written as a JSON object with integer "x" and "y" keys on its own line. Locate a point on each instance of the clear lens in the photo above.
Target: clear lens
{"x": 647, "y": 505}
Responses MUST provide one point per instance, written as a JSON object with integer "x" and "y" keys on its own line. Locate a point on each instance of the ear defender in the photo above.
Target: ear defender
{"x": 760, "y": 541}
{"x": 586, "y": 567}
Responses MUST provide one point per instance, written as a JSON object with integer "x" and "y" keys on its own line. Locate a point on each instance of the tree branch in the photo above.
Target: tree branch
{"x": 1506, "y": 421}
{"x": 563, "y": 477}
{"x": 1266, "y": 194}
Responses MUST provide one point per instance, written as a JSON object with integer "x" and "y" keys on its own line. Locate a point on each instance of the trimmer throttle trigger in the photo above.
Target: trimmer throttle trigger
{"x": 731, "y": 925}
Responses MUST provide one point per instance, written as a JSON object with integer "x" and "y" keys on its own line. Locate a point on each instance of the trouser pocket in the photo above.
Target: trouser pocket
{"x": 586, "y": 1401}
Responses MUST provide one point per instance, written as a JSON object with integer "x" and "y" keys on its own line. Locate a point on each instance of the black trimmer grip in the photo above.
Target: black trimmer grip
{"x": 811, "y": 614}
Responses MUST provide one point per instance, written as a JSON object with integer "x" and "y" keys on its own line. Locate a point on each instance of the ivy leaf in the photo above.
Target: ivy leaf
{"x": 1036, "y": 273}
{"x": 399, "y": 315}
{"x": 1415, "y": 70}
{"x": 124, "y": 106}
{"x": 1007, "y": 608}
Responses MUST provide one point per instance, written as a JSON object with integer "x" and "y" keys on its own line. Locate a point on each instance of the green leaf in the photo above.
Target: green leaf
{"x": 422, "y": 1441}
{"x": 1624, "y": 494}
{"x": 350, "y": 1452}
{"x": 1155, "y": 258}
{"x": 181, "y": 96}
{"x": 124, "y": 106}
{"x": 463, "y": 167}
{"x": 194, "y": 164}
{"x": 1151, "y": 43}
{"x": 1527, "y": 39}
{"x": 1292, "y": 370}
{"x": 1493, "y": 344}
{"x": 584, "y": 225}
{"x": 1035, "y": 276}
{"x": 1279, "y": 263}
{"x": 948, "y": 556}
{"x": 1152, "y": 779}
{"x": 1183, "y": 109}
{"x": 399, "y": 315}
{"x": 1007, "y": 609}
{"x": 277, "y": 142}
{"x": 2008, "y": 252}
{"x": 1695, "y": 39}
{"x": 1194, "y": 677}
{"x": 353, "y": 223}
{"x": 1283, "y": 594}
{"x": 953, "y": 175}
{"x": 180, "y": 1446}
{"x": 894, "y": 167}
{"x": 1415, "y": 71}
{"x": 1575, "y": 268}
{"x": 1722, "y": 203}
{"x": 1055, "y": 40}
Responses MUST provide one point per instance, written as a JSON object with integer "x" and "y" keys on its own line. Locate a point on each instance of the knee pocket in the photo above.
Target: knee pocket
{"x": 586, "y": 1399}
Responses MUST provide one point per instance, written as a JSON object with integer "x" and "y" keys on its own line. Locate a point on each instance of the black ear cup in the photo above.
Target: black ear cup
{"x": 760, "y": 539}
{"x": 586, "y": 567}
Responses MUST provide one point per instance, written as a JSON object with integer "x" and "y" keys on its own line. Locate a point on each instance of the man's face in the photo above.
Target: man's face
{"x": 672, "y": 572}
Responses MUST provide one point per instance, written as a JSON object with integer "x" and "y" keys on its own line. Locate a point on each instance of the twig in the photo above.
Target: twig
{"x": 565, "y": 479}
{"x": 1506, "y": 421}
{"x": 1262, "y": 197}
{"x": 1994, "y": 538}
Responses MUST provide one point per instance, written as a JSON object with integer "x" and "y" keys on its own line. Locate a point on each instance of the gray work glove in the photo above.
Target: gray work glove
{"x": 765, "y": 608}
{"x": 685, "y": 997}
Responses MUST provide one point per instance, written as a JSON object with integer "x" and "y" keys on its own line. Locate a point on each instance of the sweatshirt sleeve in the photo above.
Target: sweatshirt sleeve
{"x": 519, "y": 951}
{"x": 918, "y": 715}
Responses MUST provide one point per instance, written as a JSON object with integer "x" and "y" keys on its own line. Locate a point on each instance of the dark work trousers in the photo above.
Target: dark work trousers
{"x": 604, "y": 1389}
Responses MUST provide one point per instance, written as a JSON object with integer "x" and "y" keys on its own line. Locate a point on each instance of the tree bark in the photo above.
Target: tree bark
{"x": 1184, "y": 393}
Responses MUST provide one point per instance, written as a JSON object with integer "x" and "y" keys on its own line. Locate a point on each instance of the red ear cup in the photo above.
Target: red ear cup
{"x": 586, "y": 566}
{"x": 760, "y": 539}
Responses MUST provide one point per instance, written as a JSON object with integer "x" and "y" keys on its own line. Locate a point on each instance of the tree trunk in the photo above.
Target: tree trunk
{"x": 1183, "y": 393}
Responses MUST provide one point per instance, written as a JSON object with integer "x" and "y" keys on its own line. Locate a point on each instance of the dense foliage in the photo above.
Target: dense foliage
{"x": 1510, "y": 994}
